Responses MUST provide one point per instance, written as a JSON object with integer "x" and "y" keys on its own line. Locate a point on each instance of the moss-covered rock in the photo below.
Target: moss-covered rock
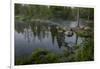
{"x": 83, "y": 33}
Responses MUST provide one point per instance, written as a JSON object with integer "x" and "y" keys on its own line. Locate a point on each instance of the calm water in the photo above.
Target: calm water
{"x": 33, "y": 35}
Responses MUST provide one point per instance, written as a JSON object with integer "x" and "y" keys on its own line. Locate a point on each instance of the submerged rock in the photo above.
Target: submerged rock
{"x": 69, "y": 33}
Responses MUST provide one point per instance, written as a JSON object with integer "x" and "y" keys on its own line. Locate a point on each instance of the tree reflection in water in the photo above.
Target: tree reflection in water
{"x": 40, "y": 31}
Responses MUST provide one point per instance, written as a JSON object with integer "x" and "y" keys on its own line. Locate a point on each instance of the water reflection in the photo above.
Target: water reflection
{"x": 30, "y": 36}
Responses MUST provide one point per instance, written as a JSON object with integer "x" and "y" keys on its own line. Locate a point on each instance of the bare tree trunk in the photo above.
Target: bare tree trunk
{"x": 76, "y": 39}
{"x": 78, "y": 17}
{"x": 88, "y": 14}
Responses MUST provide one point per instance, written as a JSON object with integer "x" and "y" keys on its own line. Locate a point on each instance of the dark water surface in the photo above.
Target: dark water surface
{"x": 33, "y": 35}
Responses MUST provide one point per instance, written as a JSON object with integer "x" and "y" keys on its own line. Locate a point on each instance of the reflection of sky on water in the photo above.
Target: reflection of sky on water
{"x": 27, "y": 39}
{"x": 25, "y": 47}
{"x": 72, "y": 40}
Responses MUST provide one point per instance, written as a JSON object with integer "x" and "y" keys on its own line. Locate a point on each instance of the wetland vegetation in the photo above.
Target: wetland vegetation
{"x": 53, "y": 34}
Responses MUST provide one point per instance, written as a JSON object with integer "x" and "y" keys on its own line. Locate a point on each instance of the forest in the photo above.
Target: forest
{"x": 53, "y": 34}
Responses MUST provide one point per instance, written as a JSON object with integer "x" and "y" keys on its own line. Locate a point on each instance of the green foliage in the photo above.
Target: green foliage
{"x": 39, "y": 56}
{"x": 82, "y": 52}
{"x": 86, "y": 53}
{"x": 43, "y": 56}
{"x": 52, "y": 12}
{"x": 87, "y": 13}
{"x": 83, "y": 33}
{"x": 52, "y": 58}
{"x": 23, "y": 61}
